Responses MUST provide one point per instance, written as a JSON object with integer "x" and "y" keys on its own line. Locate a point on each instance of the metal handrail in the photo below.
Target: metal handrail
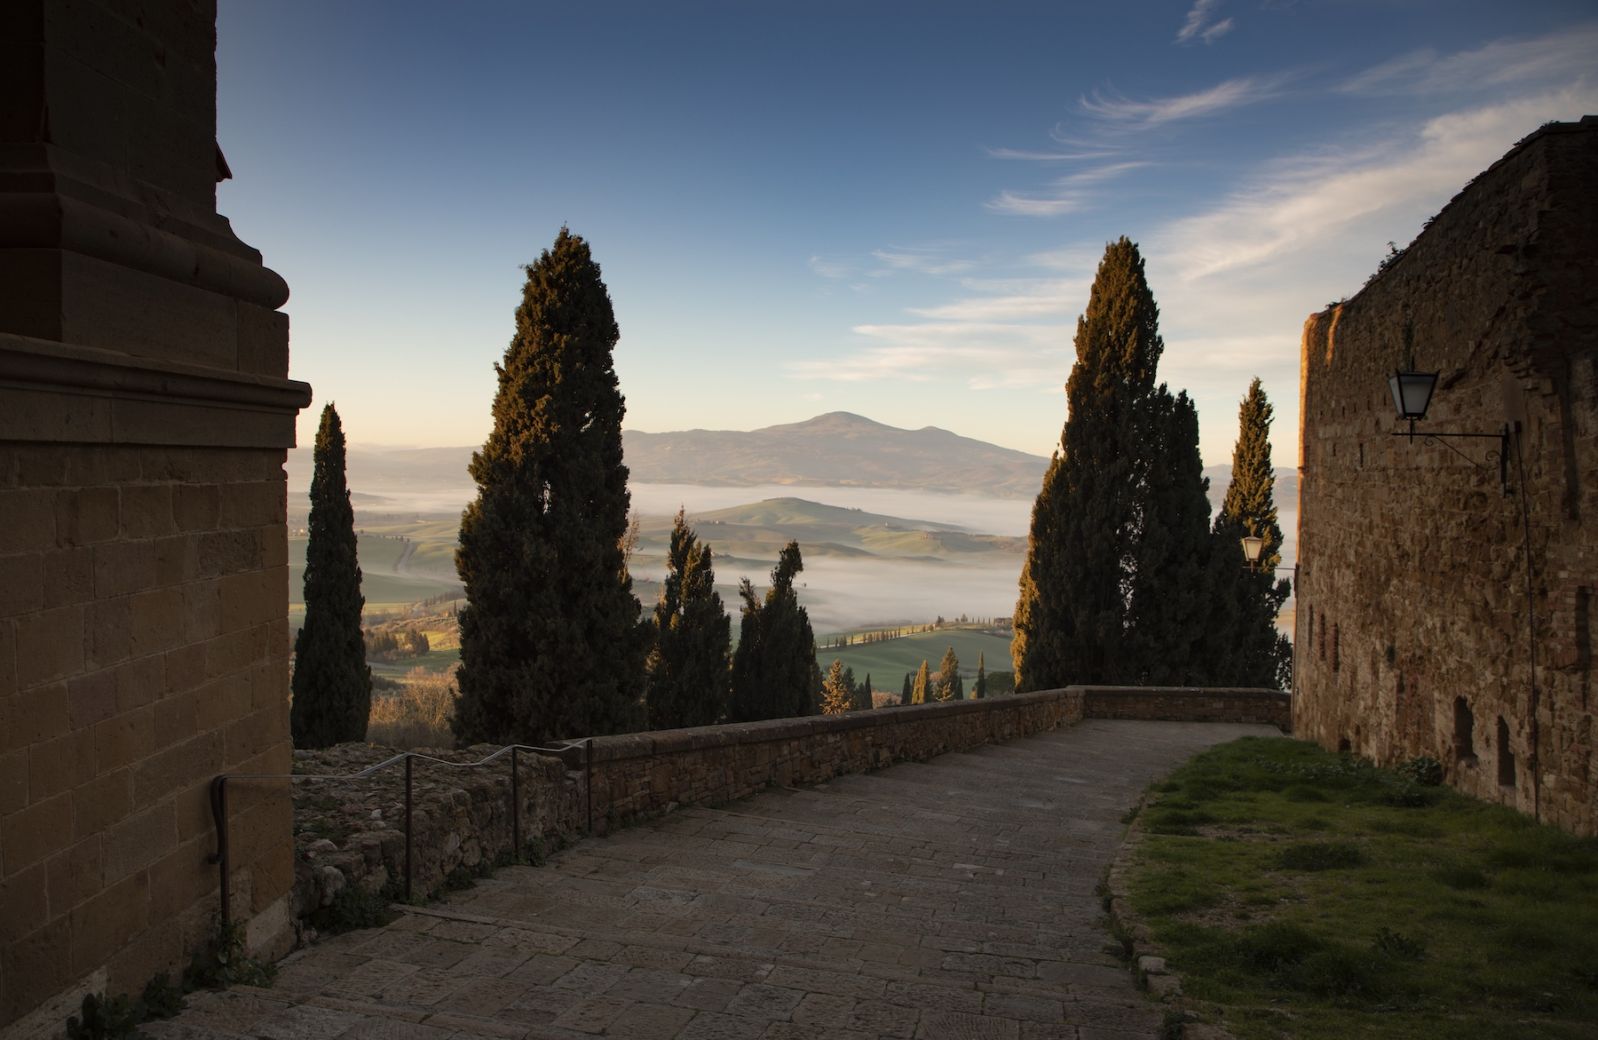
{"x": 572, "y": 754}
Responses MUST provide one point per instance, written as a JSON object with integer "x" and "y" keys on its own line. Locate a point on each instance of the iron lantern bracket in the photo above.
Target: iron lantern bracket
{"x": 1501, "y": 456}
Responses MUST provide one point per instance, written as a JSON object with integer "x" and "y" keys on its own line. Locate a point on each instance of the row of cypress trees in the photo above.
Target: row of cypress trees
{"x": 1126, "y": 580}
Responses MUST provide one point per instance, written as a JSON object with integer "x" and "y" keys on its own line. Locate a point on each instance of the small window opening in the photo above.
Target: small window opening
{"x": 1464, "y": 731}
{"x": 1344, "y": 747}
{"x": 1506, "y": 757}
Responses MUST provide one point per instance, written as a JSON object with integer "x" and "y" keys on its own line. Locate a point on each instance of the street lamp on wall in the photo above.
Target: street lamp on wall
{"x": 1253, "y": 545}
{"x": 1412, "y": 396}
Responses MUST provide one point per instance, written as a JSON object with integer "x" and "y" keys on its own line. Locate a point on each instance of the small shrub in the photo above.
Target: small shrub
{"x": 162, "y": 997}
{"x": 1321, "y": 855}
{"x": 1271, "y": 949}
{"x": 354, "y": 907}
{"x": 105, "y": 1018}
{"x": 1422, "y": 770}
{"x": 224, "y": 963}
{"x": 1398, "y": 946}
{"x": 1338, "y": 972}
{"x": 1304, "y": 793}
{"x": 416, "y": 716}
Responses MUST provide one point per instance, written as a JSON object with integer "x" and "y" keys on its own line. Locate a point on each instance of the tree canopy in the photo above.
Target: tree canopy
{"x": 688, "y": 665}
{"x": 774, "y": 671}
{"x": 552, "y": 643}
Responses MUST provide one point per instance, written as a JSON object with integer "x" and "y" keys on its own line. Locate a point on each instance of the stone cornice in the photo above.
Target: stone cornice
{"x": 57, "y": 392}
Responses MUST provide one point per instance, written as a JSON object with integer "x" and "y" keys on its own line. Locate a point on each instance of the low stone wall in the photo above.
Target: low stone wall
{"x": 352, "y": 832}
{"x": 645, "y": 774}
{"x": 1188, "y": 704}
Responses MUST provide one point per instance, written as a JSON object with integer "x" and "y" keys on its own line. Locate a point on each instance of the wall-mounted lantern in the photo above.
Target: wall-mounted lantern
{"x": 1412, "y": 396}
{"x": 1253, "y": 545}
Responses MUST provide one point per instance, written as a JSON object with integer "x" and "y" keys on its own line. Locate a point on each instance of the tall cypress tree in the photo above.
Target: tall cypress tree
{"x": 1257, "y": 654}
{"x": 774, "y": 670}
{"x": 862, "y": 695}
{"x": 1171, "y": 597}
{"x": 1070, "y": 618}
{"x": 332, "y": 682}
{"x": 979, "y": 689}
{"x": 837, "y": 696}
{"x": 907, "y": 689}
{"x": 950, "y": 687}
{"x": 552, "y": 644}
{"x": 688, "y": 677}
{"x": 918, "y": 692}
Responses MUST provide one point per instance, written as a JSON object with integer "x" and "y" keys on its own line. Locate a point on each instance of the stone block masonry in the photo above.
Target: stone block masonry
{"x": 1421, "y": 629}
{"x": 144, "y": 413}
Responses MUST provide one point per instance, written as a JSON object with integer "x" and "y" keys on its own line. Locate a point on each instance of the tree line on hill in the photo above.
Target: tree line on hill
{"x": 1125, "y": 578}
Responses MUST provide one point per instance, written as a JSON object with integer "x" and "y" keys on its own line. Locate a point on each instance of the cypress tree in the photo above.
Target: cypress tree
{"x": 1070, "y": 617}
{"x": 950, "y": 688}
{"x": 552, "y": 644}
{"x": 688, "y": 677}
{"x": 836, "y": 695}
{"x": 863, "y": 695}
{"x": 774, "y": 670}
{"x": 918, "y": 692}
{"x": 909, "y": 684}
{"x": 332, "y": 682}
{"x": 1259, "y": 654}
{"x": 979, "y": 689}
{"x": 1170, "y": 606}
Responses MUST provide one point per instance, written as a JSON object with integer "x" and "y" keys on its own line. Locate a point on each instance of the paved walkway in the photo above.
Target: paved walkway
{"x": 953, "y": 898}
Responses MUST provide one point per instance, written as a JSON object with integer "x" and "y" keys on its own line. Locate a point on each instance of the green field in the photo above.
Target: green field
{"x": 386, "y": 590}
{"x": 887, "y": 662}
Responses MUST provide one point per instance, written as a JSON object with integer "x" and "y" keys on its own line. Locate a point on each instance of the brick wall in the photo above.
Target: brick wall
{"x": 144, "y": 414}
{"x": 1413, "y": 613}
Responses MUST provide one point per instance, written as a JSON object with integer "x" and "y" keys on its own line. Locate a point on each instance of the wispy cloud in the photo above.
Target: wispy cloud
{"x": 1201, "y": 23}
{"x": 1556, "y": 57}
{"x": 829, "y": 268}
{"x": 1037, "y": 298}
{"x": 924, "y": 260}
{"x": 978, "y": 355}
{"x": 1143, "y": 115}
{"x": 1067, "y": 194}
{"x": 1077, "y": 156}
{"x": 1304, "y": 202}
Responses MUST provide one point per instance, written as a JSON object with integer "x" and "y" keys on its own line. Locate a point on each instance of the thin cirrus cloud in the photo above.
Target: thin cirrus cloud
{"x": 1303, "y": 206}
{"x": 1564, "y": 55}
{"x": 927, "y": 260}
{"x": 1068, "y": 194}
{"x": 1201, "y": 23}
{"x": 1128, "y": 113}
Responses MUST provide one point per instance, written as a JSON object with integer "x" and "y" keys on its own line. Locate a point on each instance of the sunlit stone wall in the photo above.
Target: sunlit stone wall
{"x": 1415, "y": 631}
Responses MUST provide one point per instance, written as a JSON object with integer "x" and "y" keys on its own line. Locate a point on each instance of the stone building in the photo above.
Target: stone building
{"x": 1443, "y": 609}
{"x": 144, "y": 413}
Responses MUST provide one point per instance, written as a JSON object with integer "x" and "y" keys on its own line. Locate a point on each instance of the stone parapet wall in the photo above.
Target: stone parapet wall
{"x": 1196, "y": 704}
{"x": 645, "y": 774}
{"x": 1415, "y": 622}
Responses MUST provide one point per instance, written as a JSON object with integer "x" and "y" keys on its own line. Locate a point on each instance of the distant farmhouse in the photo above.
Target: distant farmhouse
{"x": 1446, "y": 583}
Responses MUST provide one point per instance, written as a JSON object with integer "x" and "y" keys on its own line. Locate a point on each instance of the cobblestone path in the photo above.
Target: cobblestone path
{"x": 953, "y": 898}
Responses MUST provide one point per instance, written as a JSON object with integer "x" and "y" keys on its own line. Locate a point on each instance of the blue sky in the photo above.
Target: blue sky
{"x": 893, "y": 209}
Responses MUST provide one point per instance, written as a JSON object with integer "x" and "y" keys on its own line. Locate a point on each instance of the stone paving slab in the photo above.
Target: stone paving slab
{"x": 953, "y": 898}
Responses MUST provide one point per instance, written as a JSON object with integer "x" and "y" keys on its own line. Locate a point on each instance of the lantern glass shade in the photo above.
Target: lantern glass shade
{"x": 1253, "y": 545}
{"x": 1412, "y": 393}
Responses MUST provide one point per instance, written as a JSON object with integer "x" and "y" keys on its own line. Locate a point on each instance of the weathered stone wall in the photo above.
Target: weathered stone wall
{"x": 1199, "y": 704}
{"x": 644, "y": 774}
{"x": 353, "y": 832}
{"x": 1412, "y": 621}
{"x": 144, "y": 413}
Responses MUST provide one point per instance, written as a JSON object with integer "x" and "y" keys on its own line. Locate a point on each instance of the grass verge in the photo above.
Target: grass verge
{"x": 1302, "y": 894}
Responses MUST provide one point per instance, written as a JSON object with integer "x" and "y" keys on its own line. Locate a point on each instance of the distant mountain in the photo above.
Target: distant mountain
{"x": 838, "y": 449}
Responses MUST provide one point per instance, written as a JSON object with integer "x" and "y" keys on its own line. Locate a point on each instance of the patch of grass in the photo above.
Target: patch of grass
{"x": 354, "y": 907}
{"x": 1429, "y": 915}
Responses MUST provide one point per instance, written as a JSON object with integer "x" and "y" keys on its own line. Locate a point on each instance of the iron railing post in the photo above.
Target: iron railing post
{"x": 588, "y": 780}
{"x": 221, "y": 858}
{"x": 407, "y": 828}
{"x": 515, "y": 809}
